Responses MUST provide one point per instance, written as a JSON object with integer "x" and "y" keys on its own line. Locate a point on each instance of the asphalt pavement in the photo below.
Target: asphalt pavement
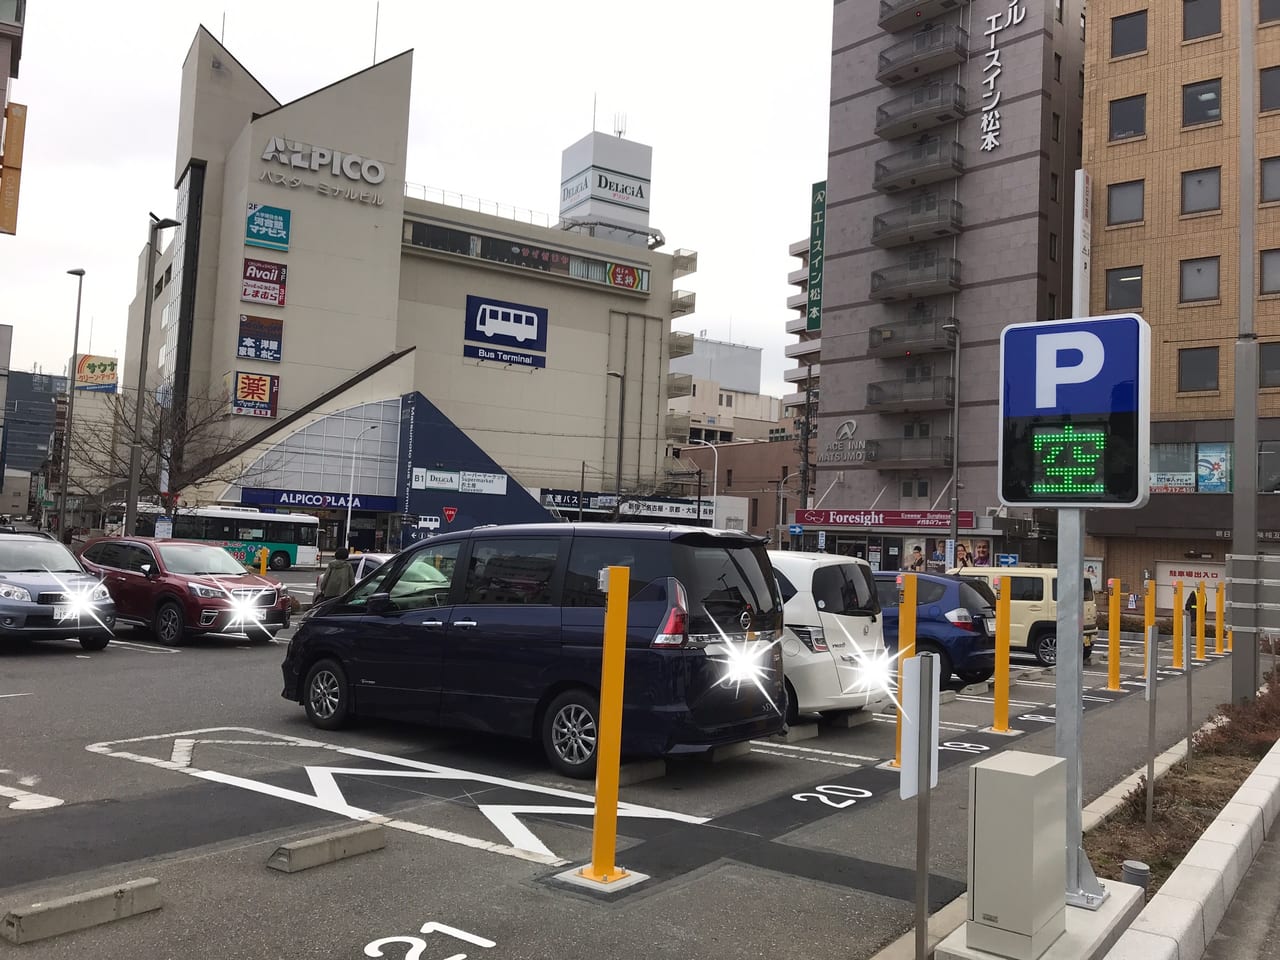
{"x": 186, "y": 764}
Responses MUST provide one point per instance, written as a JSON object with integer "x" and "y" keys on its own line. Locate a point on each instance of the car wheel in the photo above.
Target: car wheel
{"x": 570, "y": 732}
{"x": 325, "y": 695}
{"x": 793, "y": 705}
{"x": 974, "y": 676}
{"x": 94, "y": 643}
{"x": 279, "y": 560}
{"x": 170, "y": 625}
{"x": 944, "y": 662}
{"x": 1046, "y": 650}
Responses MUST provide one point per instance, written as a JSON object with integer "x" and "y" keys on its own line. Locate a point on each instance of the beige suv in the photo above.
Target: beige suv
{"x": 1033, "y": 608}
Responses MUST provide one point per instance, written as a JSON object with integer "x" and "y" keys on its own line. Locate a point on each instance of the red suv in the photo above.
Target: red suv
{"x": 177, "y": 588}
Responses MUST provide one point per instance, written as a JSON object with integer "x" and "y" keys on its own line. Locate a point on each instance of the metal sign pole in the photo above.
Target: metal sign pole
{"x": 1083, "y": 888}
{"x": 924, "y": 777}
{"x": 1153, "y": 684}
{"x": 1186, "y": 639}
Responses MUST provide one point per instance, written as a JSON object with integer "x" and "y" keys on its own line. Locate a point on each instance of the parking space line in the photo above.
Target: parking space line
{"x": 792, "y": 756}
{"x": 1015, "y": 703}
{"x": 139, "y": 647}
{"x": 10, "y": 696}
{"x": 26, "y": 800}
{"x": 825, "y": 753}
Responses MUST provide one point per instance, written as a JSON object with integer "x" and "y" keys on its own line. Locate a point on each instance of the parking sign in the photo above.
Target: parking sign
{"x": 1075, "y": 413}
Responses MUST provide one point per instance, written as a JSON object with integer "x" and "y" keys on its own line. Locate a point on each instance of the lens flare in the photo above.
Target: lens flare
{"x": 744, "y": 661}
{"x": 245, "y": 611}
{"x": 875, "y": 672}
{"x": 79, "y": 601}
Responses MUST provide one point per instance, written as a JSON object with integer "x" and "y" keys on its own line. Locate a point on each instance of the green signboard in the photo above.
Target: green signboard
{"x": 817, "y": 237}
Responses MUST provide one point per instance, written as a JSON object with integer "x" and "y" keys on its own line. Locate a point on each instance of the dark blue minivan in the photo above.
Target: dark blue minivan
{"x": 500, "y": 629}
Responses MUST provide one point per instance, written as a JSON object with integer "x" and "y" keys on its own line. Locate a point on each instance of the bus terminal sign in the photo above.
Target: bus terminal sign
{"x": 514, "y": 334}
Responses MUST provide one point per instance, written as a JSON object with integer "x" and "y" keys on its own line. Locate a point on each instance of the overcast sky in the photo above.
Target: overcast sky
{"x": 732, "y": 97}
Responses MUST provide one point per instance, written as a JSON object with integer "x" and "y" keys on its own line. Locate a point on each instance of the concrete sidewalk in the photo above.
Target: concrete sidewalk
{"x": 1251, "y": 928}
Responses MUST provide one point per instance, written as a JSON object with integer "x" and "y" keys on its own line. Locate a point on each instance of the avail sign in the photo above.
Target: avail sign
{"x": 263, "y": 282}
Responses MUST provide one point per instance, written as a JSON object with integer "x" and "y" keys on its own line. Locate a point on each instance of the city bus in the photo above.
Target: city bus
{"x": 290, "y": 538}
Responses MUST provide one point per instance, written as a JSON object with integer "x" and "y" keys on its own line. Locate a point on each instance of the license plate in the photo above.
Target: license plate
{"x": 61, "y": 611}
{"x": 991, "y": 627}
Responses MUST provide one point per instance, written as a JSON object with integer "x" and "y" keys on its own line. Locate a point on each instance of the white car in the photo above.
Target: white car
{"x": 362, "y": 564}
{"x": 833, "y": 651}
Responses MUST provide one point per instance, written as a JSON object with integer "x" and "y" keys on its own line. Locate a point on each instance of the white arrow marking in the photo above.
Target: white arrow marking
{"x": 23, "y": 800}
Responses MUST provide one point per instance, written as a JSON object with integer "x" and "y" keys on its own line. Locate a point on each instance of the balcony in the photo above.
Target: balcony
{"x": 923, "y": 53}
{"x": 679, "y": 385}
{"x": 801, "y": 374}
{"x": 805, "y": 348}
{"x": 925, "y": 218}
{"x": 682, "y": 302}
{"x": 929, "y": 162}
{"x": 800, "y": 248}
{"x": 898, "y": 15}
{"x": 799, "y": 301}
{"x": 907, "y": 396}
{"x": 679, "y": 344}
{"x": 683, "y": 263}
{"x": 797, "y": 324}
{"x": 908, "y": 453}
{"x": 925, "y": 278}
{"x": 798, "y": 277}
{"x": 922, "y": 109}
{"x": 911, "y": 336}
{"x": 677, "y": 427}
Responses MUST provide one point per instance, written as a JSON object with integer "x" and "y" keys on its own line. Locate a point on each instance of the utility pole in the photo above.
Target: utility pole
{"x": 805, "y": 433}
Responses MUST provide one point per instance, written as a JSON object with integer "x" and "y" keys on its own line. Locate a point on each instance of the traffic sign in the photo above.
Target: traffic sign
{"x": 822, "y": 540}
{"x": 1075, "y": 413}
{"x": 795, "y": 529}
{"x": 1006, "y": 559}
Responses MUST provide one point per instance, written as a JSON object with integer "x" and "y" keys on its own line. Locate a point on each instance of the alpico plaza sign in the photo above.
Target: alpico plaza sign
{"x": 299, "y": 157}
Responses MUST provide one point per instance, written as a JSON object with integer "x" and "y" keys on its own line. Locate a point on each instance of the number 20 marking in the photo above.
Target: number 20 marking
{"x": 418, "y": 946}
{"x": 824, "y": 793}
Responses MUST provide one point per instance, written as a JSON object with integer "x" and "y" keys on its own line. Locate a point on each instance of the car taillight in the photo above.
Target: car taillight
{"x": 675, "y": 632}
{"x": 961, "y": 618}
{"x": 811, "y": 637}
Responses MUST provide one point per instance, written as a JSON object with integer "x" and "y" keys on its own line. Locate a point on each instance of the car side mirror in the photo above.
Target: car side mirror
{"x": 149, "y": 571}
{"x": 380, "y": 604}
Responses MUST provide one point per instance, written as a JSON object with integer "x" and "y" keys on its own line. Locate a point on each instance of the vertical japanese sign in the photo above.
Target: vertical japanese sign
{"x": 817, "y": 239}
{"x": 260, "y": 338}
{"x": 997, "y": 23}
{"x": 256, "y": 395}
{"x": 267, "y": 227}
{"x": 264, "y": 282}
{"x": 15, "y": 129}
{"x": 1082, "y": 243}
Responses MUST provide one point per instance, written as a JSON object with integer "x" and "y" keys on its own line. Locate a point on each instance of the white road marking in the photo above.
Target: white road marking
{"x": 825, "y": 753}
{"x": 961, "y": 727}
{"x": 1012, "y": 702}
{"x": 328, "y": 796}
{"x": 792, "y": 756}
{"x": 139, "y": 647}
{"x": 25, "y": 800}
{"x": 10, "y": 696}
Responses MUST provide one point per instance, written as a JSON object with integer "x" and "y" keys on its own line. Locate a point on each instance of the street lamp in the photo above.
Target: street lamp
{"x": 135, "y": 447}
{"x": 622, "y": 406}
{"x": 715, "y": 476}
{"x": 954, "y": 329}
{"x": 65, "y": 472}
{"x": 351, "y": 487}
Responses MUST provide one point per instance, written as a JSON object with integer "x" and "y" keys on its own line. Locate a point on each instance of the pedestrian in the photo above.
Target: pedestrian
{"x": 338, "y": 577}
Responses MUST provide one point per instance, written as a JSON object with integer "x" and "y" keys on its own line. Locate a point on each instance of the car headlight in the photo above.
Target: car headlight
{"x": 9, "y": 591}
{"x": 205, "y": 592}
{"x": 100, "y": 592}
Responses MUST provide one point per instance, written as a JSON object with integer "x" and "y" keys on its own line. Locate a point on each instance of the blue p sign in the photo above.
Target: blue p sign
{"x": 1075, "y": 413}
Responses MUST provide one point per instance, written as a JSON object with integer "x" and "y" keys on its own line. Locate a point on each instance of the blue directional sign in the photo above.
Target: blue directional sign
{"x": 1075, "y": 413}
{"x": 795, "y": 529}
{"x": 1006, "y": 559}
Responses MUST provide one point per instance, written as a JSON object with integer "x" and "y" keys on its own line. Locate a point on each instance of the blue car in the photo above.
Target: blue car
{"x": 499, "y": 629}
{"x": 46, "y": 595}
{"x": 954, "y": 619}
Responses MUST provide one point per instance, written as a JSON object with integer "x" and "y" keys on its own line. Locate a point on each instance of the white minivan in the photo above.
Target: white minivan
{"x": 833, "y": 652}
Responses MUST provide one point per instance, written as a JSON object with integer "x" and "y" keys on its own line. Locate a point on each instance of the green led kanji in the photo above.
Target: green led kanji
{"x": 1068, "y": 460}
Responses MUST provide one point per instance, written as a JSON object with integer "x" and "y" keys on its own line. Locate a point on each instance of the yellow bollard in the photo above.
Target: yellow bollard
{"x": 1231, "y": 636}
{"x": 1113, "y": 638}
{"x": 1177, "y": 625}
{"x": 262, "y": 560}
{"x": 906, "y": 648}
{"x": 1217, "y": 617}
{"x": 604, "y": 837}
{"x": 1148, "y": 620}
{"x": 1004, "y": 608}
{"x": 1200, "y": 599}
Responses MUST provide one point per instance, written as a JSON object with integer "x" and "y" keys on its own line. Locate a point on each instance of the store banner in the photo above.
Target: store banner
{"x": 267, "y": 227}
{"x": 817, "y": 253}
{"x": 96, "y": 373}
{"x": 260, "y": 338}
{"x": 263, "y": 282}
{"x": 1213, "y": 467}
{"x": 256, "y": 395}
{"x": 883, "y": 519}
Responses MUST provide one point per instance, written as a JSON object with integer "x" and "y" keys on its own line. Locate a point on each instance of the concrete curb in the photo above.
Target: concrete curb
{"x": 328, "y": 848}
{"x": 1182, "y": 918}
{"x": 80, "y": 911}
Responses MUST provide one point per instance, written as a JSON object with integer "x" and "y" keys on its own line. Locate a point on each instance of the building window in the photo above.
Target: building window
{"x": 1129, "y": 117}
{"x": 1202, "y": 102}
{"x": 1197, "y": 369}
{"x": 1125, "y": 202}
{"x": 1057, "y": 67}
{"x": 1053, "y": 306}
{"x": 1129, "y": 34}
{"x": 1268, "y": 10}
{"x": 915, "y": 429}
{"x": 1056, "y": 129}
{"x": 1202, "y": 190}
{"x": 1201, "y": 18}
{"x": 1199, "y": 280}
{"x": 1080, "y": 87}
{"x": 1269, "y": 89}
{"x": 1057, "y": 10}
{"x": 1053, "y": 246}
{"x": 1269, "y": 364}
{"x": 755, "y": 511}
{"x": 1055, "y": 183}
{"x": 1270, "y": 179}
{"x": 1191, "y": 467}
{"x": 728, "y": 477}
{"x": 1124, "y": 288}
{"x": 1271, "y": 271}
{"x": 728, "y": 399}
{"x": 1079, "y": 142}
{"x": 908, "y": 489}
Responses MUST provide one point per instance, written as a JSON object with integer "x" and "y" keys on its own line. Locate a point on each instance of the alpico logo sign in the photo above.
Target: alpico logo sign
{"x": 303, "y": 156}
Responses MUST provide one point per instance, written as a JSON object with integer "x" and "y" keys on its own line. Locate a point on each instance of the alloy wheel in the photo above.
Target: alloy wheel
{"x": 325, "y": 694}
{"x": 573, "y": 734}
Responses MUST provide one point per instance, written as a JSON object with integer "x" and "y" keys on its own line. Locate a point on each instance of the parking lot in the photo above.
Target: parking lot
{"x": 185, "y": 764}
